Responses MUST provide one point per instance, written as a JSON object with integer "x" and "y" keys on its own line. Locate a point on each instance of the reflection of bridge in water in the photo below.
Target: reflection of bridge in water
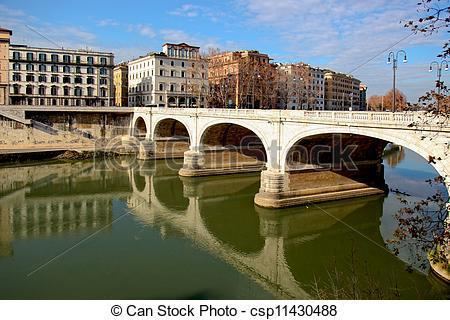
{"x": 282, "y": 251}
{"x": 277, "y": 249}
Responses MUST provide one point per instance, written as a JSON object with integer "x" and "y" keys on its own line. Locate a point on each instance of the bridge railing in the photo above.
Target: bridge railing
{"x": 353, "y": 117}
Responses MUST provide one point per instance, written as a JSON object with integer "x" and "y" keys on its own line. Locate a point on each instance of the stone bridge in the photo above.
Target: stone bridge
{"x": 288, "y": 144}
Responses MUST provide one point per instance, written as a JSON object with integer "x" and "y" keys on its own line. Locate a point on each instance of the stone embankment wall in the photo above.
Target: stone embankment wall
{"x": 90, "y": 124}
{"x": 64, "y": 128}
{"x": 14, "y": 134}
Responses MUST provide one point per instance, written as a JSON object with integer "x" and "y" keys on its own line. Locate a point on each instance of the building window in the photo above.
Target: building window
{"x": 66, "y": 91}
{"x": 171, "y": 88}
{"x": 90, "y": 80}
{"x": 161, "y": 62}
{"x": 55, "y": 58}
{"x": 103, "y": 71}
{"x": 16, "y": 55}
{"x": 103, "y": 81}
{"x": 172, "y": 63}
{"x": 103, "y": 61}
{"x": 16, "y": 89}
{"x": 103, "y": 92}
{"x": 78, "y": 92}
{"x": 42, "y": 57}
{"x": 30, "y": 78}
{"x": 161, "y": 87}
{"x": 90, "y": 60}
{"x": 42, "y": 68}
{"x": 90, "y": 70}
{"x": 90, "y": 92}
{"x": 161, "y": 72}
{"x": 16, "y": 66}
{"x": 17, "y": 77}
{"x": 66, "y": 69}
{"x": 182, "y": 88}
{"x": 77, "y": 70}
{"x": 78, "y": 59}
{"x": 160, "y": 98}
{"x": 172, "y": 73}
{"x": 182, "y": 64}
{"x": 66, "y": 58}
{"x": 41, "y": 90}
{"x": 183, "y": 74}
{"x": 66, "y": 79}
{"x": 30, "y": 67}
{"x": 42, "y": 78}
{"x": 78, "y": 80}
{"x": 54, "y": 79}
{"x": 30, "y": 56}
{"x": 29, "y": 90}
{"x": 55, "y": 68}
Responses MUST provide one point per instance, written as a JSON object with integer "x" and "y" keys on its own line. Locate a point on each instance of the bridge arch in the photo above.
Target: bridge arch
{"x": 170, "y": 126}
{"x": 415, "y": 144}
{"x": 229, "y": 131}
{"x": 140, "y": 128}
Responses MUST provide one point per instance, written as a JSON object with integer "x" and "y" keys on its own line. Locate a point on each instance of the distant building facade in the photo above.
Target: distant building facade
{"x": 363, "y": 97}
{"x": 241, "y": 79}
{"x": 341, "y": 91}
{"x": 121, "y": 85}
{"x": 300, "y": 86}
{"x": 52, "y": 77}
{"x": 176, "y": 77}
{"x": 5, "y": 36}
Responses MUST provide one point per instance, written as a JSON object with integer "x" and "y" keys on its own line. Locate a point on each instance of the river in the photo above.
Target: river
{"x": 136, "y": 230}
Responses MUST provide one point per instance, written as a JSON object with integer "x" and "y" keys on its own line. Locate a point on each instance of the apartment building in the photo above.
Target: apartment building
{"x": 300, "y": 86}
{"x": 243, "y": 79}
{"x": 121, "y": 85}
{"x": 341, "y": 91}
{"x": 60, "y": 77}
{"x": 5, "y": 36}
{"x": 175, "y": 77}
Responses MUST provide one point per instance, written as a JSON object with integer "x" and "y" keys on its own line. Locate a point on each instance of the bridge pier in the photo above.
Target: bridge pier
{"x": 146, "y": 150}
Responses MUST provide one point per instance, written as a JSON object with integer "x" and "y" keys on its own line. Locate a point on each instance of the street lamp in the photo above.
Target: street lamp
{"x": 443, "y": 64}
{"x": 394, "y": 69}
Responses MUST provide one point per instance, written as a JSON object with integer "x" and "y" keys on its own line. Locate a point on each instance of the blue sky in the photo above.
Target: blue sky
{"x": 336, "y": 34}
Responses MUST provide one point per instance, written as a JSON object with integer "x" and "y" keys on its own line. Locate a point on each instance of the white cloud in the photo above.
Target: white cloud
{"x": 107, "y": 23}
{"x": 143, "y": 30}
{"x": 31, "y": 31}
{"x": 7, "y": 11}
{"x": 189, "y": 10}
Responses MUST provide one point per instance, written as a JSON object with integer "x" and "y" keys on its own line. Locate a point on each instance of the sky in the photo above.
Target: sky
{"x": 338, "y": 34}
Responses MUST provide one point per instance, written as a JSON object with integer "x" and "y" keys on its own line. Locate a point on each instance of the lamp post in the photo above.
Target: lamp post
{"x": 439, "y": 66}
{"x": 394, "y": 61}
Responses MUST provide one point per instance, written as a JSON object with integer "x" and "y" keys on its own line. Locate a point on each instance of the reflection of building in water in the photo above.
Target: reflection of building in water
{"x": 72, "y": 198}
{"x": 393, "y": 155}
{"x": 5, "y": 233}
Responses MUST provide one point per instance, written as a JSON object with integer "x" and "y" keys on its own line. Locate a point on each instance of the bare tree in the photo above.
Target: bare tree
{"x": 400, "y": 100}
{"x": 426, "y": 222}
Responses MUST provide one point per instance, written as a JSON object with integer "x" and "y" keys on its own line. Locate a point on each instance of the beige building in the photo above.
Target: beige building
{"x": 5, "y": 36}
{"x": 341, "y": 91}
{"x": 121, "y": 85}
{"x": 176, "y": 77}
{"x": 60, "y": 77}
